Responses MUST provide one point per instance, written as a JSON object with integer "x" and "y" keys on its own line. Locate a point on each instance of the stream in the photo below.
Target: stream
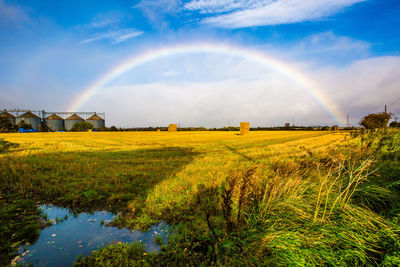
{"x": 71, "y": 236}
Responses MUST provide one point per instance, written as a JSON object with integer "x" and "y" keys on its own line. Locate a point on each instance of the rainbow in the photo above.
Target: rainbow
{"x": 153, "y": 54}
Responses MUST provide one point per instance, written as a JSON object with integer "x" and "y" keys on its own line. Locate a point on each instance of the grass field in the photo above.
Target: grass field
{"x": 266, "y": 198}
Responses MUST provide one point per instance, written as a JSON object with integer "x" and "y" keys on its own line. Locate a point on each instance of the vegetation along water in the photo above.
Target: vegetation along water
{"x": 268, "y": 198}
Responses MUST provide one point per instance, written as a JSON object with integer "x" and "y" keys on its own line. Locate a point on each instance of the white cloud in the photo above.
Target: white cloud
{"x": 170, "y": 73}
{"x": 247, "y": 13}
{"x": 155, "y": 10}
{"x": 325, "y": 48}
{"x": 11, "y": 14}
{"x": 363, "y": 87}
{"x": 119, "y": 38}
{"x": 235, "y": 89}
{"x": 209, "y": 104}
{"x": 105, "y": 20}
{"x": 221, "y": 6}
{"x": 329, "y": 42}
{"x": 116, "y": 36}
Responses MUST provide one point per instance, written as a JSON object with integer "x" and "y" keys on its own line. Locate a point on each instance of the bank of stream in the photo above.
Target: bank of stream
{"x": 72, "y": 235}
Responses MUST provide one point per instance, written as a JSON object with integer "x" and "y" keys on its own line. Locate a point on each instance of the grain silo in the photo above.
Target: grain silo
{"x": 29, "y": 118}
{"x": 7, "y": 115}
{"x": 55, "y": 122}
{"x": 71, "y": 120}
{"x": 96, "y": 121}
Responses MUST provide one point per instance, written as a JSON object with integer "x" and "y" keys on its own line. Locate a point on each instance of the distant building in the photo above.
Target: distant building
{"x": 29, "y": 118}
{"x": 5, "y": 114}
{"x": 71, "y": 120}
{"x": 55, "y": 122}
{"x": 96, "y": 121}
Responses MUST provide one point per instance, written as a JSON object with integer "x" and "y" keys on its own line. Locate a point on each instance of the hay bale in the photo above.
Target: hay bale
{"x": 172, "y": 128}
{"x": 244, "y": 128}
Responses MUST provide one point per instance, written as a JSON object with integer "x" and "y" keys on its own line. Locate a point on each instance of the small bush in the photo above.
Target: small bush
{"x": 22, "y": 124}
{"x": 82, "y": 126}
{"x": 6, "y": 125}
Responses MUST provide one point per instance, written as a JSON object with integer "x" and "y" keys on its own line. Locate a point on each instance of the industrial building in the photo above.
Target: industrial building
{"x": 71, "y": 120}
{"x": 96, "y": 121}
{"x": 5, "y": 114}
{"x": 29, "y": 118}
{"x": 56, "y": 121}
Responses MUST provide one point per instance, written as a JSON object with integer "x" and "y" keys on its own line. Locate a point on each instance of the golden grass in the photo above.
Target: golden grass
{"x": 288, "y": 193}
{"x": 218, "y": 154}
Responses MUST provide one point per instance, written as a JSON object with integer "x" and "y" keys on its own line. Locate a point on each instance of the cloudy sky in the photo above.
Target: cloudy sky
{"x": 53, "y": 51}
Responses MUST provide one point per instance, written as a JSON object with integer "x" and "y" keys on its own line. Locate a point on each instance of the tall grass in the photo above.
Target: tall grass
{"x": 266, "y": 199}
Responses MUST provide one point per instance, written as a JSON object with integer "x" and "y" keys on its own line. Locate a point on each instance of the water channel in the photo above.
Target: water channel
{"x": 71, "y": 236}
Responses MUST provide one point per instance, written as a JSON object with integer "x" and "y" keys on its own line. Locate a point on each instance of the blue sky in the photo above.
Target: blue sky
{"x": 52, "y": 50}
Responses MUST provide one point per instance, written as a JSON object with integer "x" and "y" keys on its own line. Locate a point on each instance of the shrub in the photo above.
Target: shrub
{"x": 394, "y": 124}
{"x": 43, "y": 127}
{"x": 22, "y": 124}
{"x": 81, "y": 126}
{"x": 376, "y": 120}
{"x": 6, "y": 125}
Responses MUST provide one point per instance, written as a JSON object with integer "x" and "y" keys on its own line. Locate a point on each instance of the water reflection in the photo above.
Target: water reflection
{"x": 62, "y": 243}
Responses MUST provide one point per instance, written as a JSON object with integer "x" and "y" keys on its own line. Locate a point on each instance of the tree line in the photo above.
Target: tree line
{"x": 371, "y": 121}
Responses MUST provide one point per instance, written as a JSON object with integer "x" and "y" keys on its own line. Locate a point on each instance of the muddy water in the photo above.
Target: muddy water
{"x": 61, "y": 243}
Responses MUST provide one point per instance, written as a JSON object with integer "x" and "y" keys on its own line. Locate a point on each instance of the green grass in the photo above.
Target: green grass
{"x": 298, "y": 198}
{"x": 90, "y": 180}
{"x": 5, "y": 145}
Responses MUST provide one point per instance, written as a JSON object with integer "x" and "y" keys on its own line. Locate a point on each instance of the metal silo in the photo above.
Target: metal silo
{"x": 5, "y": 114}
{"x": 96, "y": 121}
{"x": 29, "y": 118}
{"x": 55, "y": 122}
{"x": 71, "y": 120}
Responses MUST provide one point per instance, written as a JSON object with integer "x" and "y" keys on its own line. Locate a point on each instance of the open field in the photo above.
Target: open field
{"x": 268, "y": 197}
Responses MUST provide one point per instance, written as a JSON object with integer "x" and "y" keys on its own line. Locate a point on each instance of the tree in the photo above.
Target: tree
{"x": 376, "y": 120}
{"x": 394, "y": 124}
{"x": 43, "y": 127}
{"x": 6, "y": 125}
{"x": 22, "y": 124}
{"x": 81, "y": 126}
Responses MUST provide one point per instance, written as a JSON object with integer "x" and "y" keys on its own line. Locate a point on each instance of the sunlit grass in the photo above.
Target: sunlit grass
{"x": 299, "y": 193}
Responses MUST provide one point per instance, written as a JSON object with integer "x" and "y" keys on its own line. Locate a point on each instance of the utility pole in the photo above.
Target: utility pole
{"x": 385, "y": 108}
{"x": 348, "y": 121}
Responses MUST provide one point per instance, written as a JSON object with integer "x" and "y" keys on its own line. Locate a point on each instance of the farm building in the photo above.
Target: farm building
{"x": 5, "y": 114}
{"x": 71, "y": 120}
{"x": 55, "y": 122}
{"x": 29, "y": 118}
{"x": 96, "y": 121}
